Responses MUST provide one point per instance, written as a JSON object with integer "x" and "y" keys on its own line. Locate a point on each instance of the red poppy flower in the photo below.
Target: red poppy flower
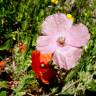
{"x": 22, "y": 47}
{"x": 2, "y": 65}
{"x": 40, "y": 65}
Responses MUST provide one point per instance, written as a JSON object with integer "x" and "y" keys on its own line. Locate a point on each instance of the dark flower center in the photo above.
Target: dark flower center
{"x": 61, "y": 41}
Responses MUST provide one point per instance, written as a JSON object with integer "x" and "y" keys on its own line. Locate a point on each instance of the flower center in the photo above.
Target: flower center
{"x": 42, "y": 65}
{"x": 60, "y": 41}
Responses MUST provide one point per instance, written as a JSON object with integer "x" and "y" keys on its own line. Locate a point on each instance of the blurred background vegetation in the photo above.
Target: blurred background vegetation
{"x": 20, "y": 24}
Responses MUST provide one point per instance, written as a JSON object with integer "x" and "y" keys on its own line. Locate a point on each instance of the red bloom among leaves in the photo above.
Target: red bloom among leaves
{"x": 22, "y": 47}
{"x": 2, "y": 65}
{"x": 40, "y": 65}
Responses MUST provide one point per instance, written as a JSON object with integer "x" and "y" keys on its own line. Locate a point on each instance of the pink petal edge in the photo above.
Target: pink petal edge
{"x": 78, "y": 35}
{"x": 67, "y": 57}
{"x": 56, "y": 24}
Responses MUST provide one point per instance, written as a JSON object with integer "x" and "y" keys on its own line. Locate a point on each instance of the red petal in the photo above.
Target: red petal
{"x": 44, "y": 74}
{"x": 36, "y": 61}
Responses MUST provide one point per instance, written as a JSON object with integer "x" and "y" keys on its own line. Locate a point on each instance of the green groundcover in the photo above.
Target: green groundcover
{"x": 20, "y": 26}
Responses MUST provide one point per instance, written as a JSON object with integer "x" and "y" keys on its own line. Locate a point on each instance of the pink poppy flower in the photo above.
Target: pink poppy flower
{"x": 64, "y": 39}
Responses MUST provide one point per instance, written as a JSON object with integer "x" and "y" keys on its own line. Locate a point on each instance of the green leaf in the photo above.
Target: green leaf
{"x": 1, "y": 57}
{"x": 3, "y": 84}
{"x": 3, "y": 93}
{"x": 6, "y": 45}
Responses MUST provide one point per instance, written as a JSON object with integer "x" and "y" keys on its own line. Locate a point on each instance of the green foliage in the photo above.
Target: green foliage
{"x": 3, "y": 84}
{"x": 6, "y": 45}
{"x": 3, "y": 93}
{"x": 20, "y": 21}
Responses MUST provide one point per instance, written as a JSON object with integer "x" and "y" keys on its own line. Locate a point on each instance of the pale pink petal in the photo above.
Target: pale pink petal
{"x": 78, "y": 35}
{"x": 56, "y": 24}
{"x": 46, "y": 44}
{"x": 67, "y": 57}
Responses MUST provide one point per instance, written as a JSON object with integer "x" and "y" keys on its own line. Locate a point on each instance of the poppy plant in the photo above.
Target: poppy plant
{"x": 40, "y": 65}
{"x": 22, "y": 47}
{"x": 2, "y": 65}
{"x": 64, "y": 39}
